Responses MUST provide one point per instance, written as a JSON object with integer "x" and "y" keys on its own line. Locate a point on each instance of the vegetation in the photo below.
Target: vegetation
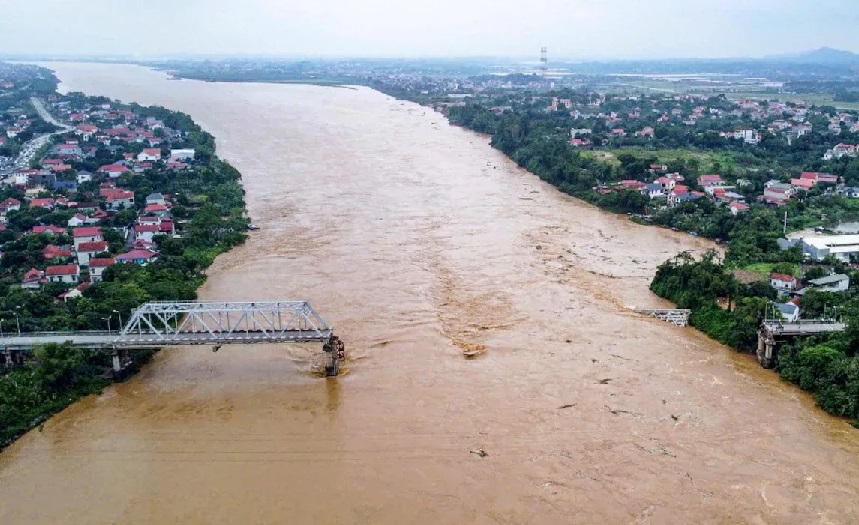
{"x": 208, "y": 206}
{"x": 731, "y": 312}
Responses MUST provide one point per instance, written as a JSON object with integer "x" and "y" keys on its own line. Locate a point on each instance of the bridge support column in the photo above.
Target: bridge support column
{"x": 766, "y": 352}
{"x": 336, "y": 351}
{"x": 121, "y": 360}
{"x": 7, "y": 358}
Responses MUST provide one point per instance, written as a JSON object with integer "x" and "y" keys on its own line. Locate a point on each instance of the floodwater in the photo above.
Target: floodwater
{"x": 417, "y": 241}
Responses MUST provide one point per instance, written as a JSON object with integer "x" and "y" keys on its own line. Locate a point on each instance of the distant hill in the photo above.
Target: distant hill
{"x": 824, "y": 56}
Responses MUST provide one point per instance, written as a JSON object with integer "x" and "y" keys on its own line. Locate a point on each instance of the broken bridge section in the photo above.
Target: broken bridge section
{"x": 212, "y": 323}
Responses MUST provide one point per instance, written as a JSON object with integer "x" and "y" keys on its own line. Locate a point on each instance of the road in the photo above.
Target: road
{"x": 32, "y": 146}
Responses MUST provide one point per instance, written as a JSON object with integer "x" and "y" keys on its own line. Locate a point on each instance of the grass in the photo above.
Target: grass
{"x": 820, "y": 99}
{"x": 765, "y": 269}
{"x": 705, "y": 159}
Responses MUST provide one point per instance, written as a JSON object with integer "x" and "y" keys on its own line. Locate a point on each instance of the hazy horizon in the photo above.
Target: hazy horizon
{"x": 572, "y": 30}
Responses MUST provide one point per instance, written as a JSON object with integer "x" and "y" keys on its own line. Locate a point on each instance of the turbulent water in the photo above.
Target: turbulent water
{"x": 417, "y": 241}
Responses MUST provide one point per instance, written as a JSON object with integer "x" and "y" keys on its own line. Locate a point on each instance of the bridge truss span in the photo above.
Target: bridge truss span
{"x": 212, "y": 323}
{"x": 225, "y": 322}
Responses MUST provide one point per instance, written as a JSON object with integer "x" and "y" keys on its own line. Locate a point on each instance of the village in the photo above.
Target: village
{"x": 77, "y": 210}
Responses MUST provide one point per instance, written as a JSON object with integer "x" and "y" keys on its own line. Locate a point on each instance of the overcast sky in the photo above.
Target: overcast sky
{"x": 397, "y": 28}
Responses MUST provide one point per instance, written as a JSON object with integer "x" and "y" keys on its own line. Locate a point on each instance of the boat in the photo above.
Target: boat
{"x": 253, "y": 227}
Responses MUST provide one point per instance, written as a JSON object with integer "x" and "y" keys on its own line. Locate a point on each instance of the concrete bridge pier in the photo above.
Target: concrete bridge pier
{"x": 766, "y": 352}
{"x": 336, "y": 351}
{"x": 121, "y": 360}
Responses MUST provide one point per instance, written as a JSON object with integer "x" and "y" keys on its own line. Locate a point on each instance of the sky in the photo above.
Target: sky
{"x": 578, "y": 29}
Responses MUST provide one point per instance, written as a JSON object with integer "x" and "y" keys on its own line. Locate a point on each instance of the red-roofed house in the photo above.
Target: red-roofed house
{"x": 145, "y": 231}
{"x": 783, "y": 282}
{"x": 52, "y": 252}
{"x": 709, "y": 180}
{"x": 67, "y": 273}
{"x": 88, "y": 250}
{"x": 158, "y": 209}
{"x": 805, "y": 184}
{"x": 10, "y": 204}
{"x": 79, "y": 219}
{"x": 113, "y": 170}
{"x": 140, "y": 257}
{"x": 119, "y": 199}
{"x": 32, "y": 280}
{"x": 152, "y": 154}
{"x": 50, "y": 229}
{"x": 809, "y": 175}
{"x": 97, "y": 266}
{"x": 84, "y": 234}
{"x": 42, "y": 203}
{"x": 738, "y": 207}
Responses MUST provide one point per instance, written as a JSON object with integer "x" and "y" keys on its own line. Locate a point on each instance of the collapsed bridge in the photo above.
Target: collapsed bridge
{"x": 212, "y": 323}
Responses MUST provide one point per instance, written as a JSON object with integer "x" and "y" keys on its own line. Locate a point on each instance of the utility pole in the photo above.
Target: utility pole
{"x": 784, "y": 232}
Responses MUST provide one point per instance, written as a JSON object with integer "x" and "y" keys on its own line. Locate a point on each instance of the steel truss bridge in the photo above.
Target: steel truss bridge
{"x": 212, "y": 323}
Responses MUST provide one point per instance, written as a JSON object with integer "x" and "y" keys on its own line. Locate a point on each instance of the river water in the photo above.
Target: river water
{"x": 416, "y": 240}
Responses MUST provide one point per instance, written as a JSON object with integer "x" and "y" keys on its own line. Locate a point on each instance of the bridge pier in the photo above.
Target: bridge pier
{"x": 336, "y": 351}
{"x": 121, "y": 360}
{"x": 767, "y": 351}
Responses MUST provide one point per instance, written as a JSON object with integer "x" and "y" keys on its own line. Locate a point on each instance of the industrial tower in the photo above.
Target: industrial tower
{"x": 544, "y": 60}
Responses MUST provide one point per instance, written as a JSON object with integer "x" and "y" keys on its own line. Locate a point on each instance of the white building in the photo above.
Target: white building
{"x": 842, "y": 247}
{"x": 183, "y": 154}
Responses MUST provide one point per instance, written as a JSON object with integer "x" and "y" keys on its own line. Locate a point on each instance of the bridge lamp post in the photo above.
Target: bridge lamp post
{"x": 120, "y": 318}
{"x": 1, "y": 328}
{"x": 17, "y": 319}
{"x": 108, "y": 323}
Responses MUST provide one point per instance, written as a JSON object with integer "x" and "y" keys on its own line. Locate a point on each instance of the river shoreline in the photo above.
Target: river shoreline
{"x": 409, "y": 235}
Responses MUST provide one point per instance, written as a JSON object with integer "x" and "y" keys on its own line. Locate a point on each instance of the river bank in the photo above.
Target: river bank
{"x": 59, "y": 374}
{"x": 410, "y": 236}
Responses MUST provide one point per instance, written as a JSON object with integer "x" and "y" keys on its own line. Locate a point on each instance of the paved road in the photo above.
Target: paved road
{"x": 32, "y": 146}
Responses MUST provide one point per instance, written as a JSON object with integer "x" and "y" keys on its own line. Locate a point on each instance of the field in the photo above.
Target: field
{"x": 707, "y": 160}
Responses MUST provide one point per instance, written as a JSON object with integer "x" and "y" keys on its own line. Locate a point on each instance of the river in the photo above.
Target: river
{"x": 416, "y": 240}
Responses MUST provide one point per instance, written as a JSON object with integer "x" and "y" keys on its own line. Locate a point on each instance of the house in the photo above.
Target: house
{"x": 84, "y": 176}
{"x": 42, "y": 203}
{"x": 88, "y": 250}
{"x": 159, "y": 210}
{"x": 113, "y": 170}
{"x": 737, "y": 208}
{"x": 83, "y": 234}
{"x": 155, "y": 198}
{"x": 78, "y": 220}
{"x": 10, "y": 204}
{"x": 97, "y": 266}
{"x": 75, "y": 293}
{"x": 32, "y": 280}
{"x": 151, "y": 154}
{"x": 48, "y": 230}
{"x": 188, "y": 154}
{"x": 52, "y": 252}
{"x": 789, "y": 311}
{"x": 710, "y": 180}
{"x": 803, "y": 184}
{"x": 653, "y": 190}
{"x": 141, "y": 257}
{"x": 783, "y": 283}
{"x": 67, "y": 273}
{"x": 831, "y": 283}
{"x": 119, "y": 199}
{"x": 145, "y": 231}
{"x": 646, "y": 132}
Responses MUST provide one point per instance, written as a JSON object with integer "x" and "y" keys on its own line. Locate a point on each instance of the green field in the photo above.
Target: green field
{"x": 765, "y": 269}
{"x": 705, "y": 159}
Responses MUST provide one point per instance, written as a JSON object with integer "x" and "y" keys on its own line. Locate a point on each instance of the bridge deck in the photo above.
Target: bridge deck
{"x": 155, "y": 340}
{"x": 807, "y": 328}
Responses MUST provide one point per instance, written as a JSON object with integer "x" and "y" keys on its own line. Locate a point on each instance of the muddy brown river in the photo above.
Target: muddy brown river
{"x": 416, "y": 240}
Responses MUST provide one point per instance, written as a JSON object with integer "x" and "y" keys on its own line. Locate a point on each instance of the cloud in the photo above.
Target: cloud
{"x": 570, "y": 28}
